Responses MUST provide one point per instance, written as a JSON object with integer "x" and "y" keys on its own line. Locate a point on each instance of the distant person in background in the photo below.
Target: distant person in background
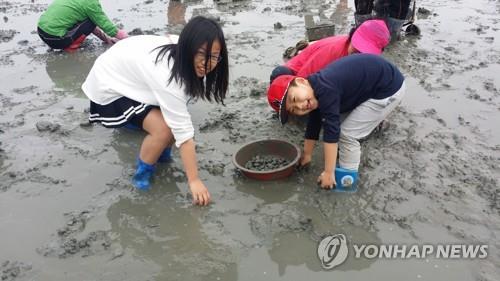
{"x": 340, "y": 14}
{"x": 363, "y": 11}
{"x": 370, "y": 37}
{"x": 394, "y": 11}
{"x": 176, "y": 12}
{"x": 66, "y": 23}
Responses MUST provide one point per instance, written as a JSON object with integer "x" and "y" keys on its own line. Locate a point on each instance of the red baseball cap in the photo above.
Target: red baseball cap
{"x": 371, "y": 37}
{"x": 277, "y": 93}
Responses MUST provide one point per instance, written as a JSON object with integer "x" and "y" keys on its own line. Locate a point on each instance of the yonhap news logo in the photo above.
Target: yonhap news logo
{"x": 333, "y": 250}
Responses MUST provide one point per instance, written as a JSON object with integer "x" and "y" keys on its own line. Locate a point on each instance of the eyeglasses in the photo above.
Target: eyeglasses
{"x": 213, "y": 59}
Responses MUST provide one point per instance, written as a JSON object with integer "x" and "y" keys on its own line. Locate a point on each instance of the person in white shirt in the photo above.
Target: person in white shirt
{"x": 146, "y": 81}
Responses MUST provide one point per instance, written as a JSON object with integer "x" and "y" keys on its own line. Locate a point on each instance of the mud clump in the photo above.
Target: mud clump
{"x": 44, "y": 126}
{"x": 10, "y": 270}
{"x": 95, "y": 241}
{"x": 423, "y": 11}
{"x": 215, "y": 169}
{"x": 266, "y": 163}
{"x": 278, "y": 25}
{"x": 250, "y": 87}
{"x": 139, "y": 31}
{"x": 75, "y": 223}
{"x": 7, "y": 35}
{"x": 225, "y": 119}
{"x": 266, "y": 225}
{"x": 25, "y": 90}
{"x": 68, "y": 244}
{"x": 136, "y": 31}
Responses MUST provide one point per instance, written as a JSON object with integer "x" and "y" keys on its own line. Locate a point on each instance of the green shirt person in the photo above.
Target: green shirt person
{"x": 66, "y": 23}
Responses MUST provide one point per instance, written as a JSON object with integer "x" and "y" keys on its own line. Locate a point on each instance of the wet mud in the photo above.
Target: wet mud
{"x": 12, "y": 270}
{"x": 429, "y": 175}
{"x": 69, "y": 243}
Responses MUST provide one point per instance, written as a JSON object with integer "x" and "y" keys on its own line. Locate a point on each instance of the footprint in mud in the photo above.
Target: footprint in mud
{"x": 432, "y": 113}
{"x": 46, "y": 126}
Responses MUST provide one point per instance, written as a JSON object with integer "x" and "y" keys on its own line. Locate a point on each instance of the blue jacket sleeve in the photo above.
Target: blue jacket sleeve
{"x": 314, "y": 124}
{"x": 329, "y": 105}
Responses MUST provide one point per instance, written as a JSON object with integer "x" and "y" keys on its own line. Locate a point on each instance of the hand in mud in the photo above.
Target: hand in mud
{"x": 326, "y": 180}
{"x": 113, "y": 40}
{"x": 201, "y": 196}
{"x": 304, "y": 162}
{"x": 121, "y": 34}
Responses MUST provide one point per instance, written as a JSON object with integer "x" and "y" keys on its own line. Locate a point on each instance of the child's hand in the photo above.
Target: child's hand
{"x": 326, "y": 180}
{"x": 121, "y": 34}
{"x": 200, "y": 193}
{"x": 304, "y": 161}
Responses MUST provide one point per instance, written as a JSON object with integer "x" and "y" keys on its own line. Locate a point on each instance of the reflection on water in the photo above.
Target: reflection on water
{"x": 164, "y": 230}
{"x": 294, "y": 215}
{"x": 270, "y": 192}
{"x": 68, "y": 71}
{"x": 297, "y": 249}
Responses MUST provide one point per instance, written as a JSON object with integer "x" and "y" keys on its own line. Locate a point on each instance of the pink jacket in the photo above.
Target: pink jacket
{"x": 319, "y": 54}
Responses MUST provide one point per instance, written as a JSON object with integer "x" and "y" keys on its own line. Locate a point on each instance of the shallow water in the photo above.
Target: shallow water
{"x": 67, "y": 210}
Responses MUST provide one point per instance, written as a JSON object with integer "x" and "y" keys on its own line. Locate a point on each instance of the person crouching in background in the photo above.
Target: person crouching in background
{"x": 371, "y": 37}
{"x": 66, "y": 23}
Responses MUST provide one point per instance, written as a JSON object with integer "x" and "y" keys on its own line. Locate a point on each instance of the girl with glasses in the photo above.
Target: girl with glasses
{"x": 146, "y": 82}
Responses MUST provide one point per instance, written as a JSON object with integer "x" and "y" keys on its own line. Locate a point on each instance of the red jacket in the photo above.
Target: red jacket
{"x": 319, "y": 54}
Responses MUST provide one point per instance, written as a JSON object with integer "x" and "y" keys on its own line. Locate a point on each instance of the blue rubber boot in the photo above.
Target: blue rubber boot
{"x": 346, "y": 180}
{"x": 143, "y": 175}
{"x": 166, "y": 155}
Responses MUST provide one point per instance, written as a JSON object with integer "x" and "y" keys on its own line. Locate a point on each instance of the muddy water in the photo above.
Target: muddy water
{"x": 68, "y": 212}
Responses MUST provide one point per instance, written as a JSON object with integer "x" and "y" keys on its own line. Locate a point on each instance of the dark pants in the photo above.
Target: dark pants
{"x": 363, "y": 7}
{"x": 280, "y": 70}
{"x": 397, "y": 9}
{"x": 62, "y": 42}
{"x": 394, "y": 11}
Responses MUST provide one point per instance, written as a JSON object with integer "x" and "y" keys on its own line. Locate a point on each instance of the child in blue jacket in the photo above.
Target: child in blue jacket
{"x": 364, "y": 87}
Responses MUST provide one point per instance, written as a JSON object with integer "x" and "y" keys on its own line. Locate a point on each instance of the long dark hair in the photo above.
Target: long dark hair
{"x": 198, "y": 31}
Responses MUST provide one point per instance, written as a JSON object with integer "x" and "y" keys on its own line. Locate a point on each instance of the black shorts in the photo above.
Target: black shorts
{"x": 62, "y": 42}
{"x": 119, "y": 113}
